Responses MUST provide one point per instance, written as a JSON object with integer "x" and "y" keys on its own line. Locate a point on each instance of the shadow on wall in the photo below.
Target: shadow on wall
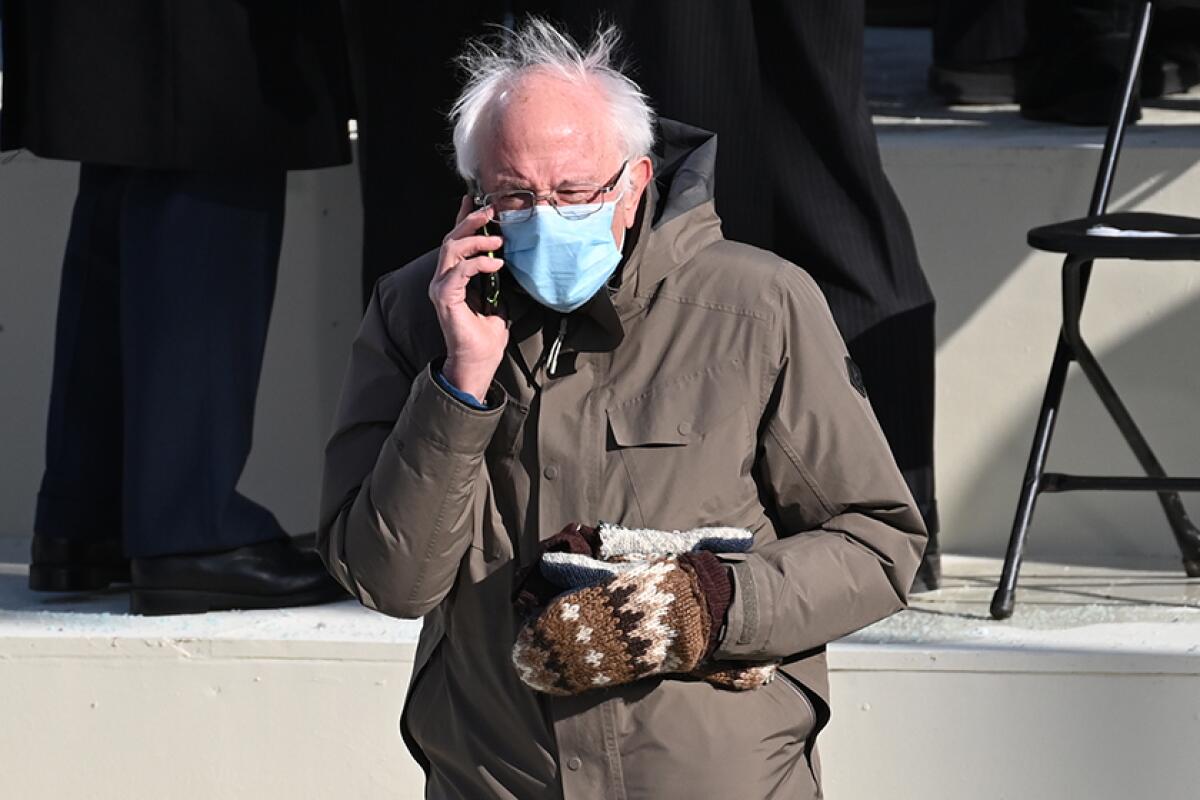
{"x": 971, "y": 197}
{"x": 973, "y": 240}
{"x": 1157, "y": 374}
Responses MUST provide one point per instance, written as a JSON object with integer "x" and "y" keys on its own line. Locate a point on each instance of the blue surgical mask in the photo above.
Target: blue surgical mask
{"x": 562, "y": 263}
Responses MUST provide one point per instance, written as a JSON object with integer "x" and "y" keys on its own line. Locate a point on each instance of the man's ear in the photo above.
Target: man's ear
{"x": 641, "y": 171}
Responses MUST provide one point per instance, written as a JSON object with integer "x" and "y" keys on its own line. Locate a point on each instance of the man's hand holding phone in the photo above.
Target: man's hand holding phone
{"x": 475, "y": 340}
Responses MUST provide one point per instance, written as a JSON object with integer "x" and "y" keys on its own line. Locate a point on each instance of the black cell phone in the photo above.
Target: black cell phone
{"x": 490, "y": 284}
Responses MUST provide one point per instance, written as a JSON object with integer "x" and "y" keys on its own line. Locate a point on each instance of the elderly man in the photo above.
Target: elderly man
{"x": 586, "y": 346}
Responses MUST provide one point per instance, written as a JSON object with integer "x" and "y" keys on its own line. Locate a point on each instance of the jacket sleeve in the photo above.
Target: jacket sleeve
{"x": 851, "y": 537}
{"x": 402, "y": 469}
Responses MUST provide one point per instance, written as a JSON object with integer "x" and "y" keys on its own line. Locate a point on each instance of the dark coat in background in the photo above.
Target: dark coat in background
{"x": 162, "y": 84}
{"x": 780, "y": 82}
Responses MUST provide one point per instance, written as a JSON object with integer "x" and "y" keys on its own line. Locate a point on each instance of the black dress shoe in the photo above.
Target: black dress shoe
{"x": 274, "y": 574}
{"x": 57, "y": 564}
{"x": 929, "y": 575}
{"x": 986, "y": 83}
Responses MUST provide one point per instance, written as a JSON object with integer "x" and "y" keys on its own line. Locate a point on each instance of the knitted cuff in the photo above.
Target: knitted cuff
{"x": 573, "y": 571}
{"x": 619, "y": 543}
{"x": 574, "y": 538}
{"x": 716, "y": 586}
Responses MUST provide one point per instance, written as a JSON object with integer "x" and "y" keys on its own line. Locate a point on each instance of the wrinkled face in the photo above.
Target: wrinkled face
{"x": 547, "y": 134}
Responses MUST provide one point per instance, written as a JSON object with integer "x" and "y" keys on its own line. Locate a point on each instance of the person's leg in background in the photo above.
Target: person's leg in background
{"x": 77, "y": 524}
{"x": 1073, "y": 61}
{"x": 199, "y": 259}
{"x": 401, "y": 58}
{"x": 976, "y": 44}
{"x": 199, "y": 256}
{"x": 838, "y": 217}
{"x": 897, "y": 362}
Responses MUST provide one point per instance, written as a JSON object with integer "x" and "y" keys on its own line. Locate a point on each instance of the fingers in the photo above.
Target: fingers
{"x": 459, "y": 250}
{"x": 470, "y": 267}
{"x": 471, "y": 223}
{"x": 448, "y": 287}
{"x": 465, "y": 242}
{"x": 464, "y": 254}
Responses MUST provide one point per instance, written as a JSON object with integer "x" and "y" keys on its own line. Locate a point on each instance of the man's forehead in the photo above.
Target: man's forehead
{"x": 543, "y": 126}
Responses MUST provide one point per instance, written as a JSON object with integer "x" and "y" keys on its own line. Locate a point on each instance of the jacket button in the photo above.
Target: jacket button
{"x": 685, "y": 428}
{"x": 551, "y": 472}
{"x": 574, "y": 763}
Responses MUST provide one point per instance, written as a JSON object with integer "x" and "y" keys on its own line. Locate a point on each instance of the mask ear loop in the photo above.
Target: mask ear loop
{"x": 616, "y": 201}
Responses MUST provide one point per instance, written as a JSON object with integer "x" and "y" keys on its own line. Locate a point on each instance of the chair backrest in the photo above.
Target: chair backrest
{"x": 1144, "y": 12}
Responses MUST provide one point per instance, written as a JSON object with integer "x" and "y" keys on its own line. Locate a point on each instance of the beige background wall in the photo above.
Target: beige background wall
{"x": 115, "y": 719}
{"x": 971, "y": 194}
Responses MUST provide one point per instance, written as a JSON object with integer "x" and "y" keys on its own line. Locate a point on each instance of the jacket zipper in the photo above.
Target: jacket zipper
{"x": 556, "y": 347}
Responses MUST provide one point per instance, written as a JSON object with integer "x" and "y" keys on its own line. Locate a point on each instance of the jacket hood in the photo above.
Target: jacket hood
{"x": 685, "y": 160}
{"x": 679, "y": 205}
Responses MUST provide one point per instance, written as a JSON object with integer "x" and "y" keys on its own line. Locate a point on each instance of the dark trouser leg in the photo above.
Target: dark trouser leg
{"x": 897, "y": 361}
{"x": 975, "y": 47}
{"x": 976, "y": 31}
{"x": 80, "y": 495}
{"x": 1074, "y": 59}
{"x": 198, "y": 262}
{"x": 410, "y": 191}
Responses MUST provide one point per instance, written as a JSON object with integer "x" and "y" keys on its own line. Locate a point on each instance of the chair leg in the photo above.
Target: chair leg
{"x": 1004, "y": 598}
{"x": 1187, "y": 537}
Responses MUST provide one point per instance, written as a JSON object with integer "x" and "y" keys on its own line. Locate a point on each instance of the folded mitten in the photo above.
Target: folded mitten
{"x": 649, "y": 620}
{"x": 533, "y": 588}
{"x": 614, "y": 561}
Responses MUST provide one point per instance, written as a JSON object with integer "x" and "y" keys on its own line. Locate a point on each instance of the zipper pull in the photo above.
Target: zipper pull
{"x": 556, "y": 347}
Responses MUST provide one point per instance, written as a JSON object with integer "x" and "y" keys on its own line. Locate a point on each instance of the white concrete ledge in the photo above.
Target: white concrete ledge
{"x": 940, "y": 700}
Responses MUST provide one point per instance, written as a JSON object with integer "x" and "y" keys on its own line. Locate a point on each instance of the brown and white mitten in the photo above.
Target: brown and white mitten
{"x": 597, "y": 567}
{"x": 648, "y": 620}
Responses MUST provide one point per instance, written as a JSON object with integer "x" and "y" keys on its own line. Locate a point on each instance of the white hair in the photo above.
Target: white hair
{"x": 494, "y": 65}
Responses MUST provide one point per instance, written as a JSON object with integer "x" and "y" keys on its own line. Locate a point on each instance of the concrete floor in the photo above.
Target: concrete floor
{"x": 945, "y": 700}
{"x": 1146, "y": 607}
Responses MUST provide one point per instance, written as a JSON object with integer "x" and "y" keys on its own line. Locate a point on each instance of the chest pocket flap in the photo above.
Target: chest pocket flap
{"x": 679, "y": 411}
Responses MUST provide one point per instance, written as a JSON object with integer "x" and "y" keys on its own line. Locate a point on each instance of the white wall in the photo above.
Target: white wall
{"x": 971, "y": 194}
{"x": 971, "y": 197}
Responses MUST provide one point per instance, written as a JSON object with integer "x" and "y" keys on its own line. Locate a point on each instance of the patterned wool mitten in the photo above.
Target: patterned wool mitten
{"x": 648, "y": 620}
{"x": 575, "y": 569}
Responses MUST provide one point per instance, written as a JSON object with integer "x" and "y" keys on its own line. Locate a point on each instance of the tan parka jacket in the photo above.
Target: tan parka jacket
{"x": 710, "y": 388}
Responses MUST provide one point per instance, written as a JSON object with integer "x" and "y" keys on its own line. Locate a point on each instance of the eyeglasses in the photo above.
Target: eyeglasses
{"x": 573, "y": 202}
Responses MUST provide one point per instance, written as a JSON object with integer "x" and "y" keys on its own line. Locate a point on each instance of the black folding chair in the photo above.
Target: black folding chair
{"x": 1082, "y": 247}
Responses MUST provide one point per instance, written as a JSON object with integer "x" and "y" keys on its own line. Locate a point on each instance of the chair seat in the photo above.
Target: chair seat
{"x": 1073, "y": 237}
